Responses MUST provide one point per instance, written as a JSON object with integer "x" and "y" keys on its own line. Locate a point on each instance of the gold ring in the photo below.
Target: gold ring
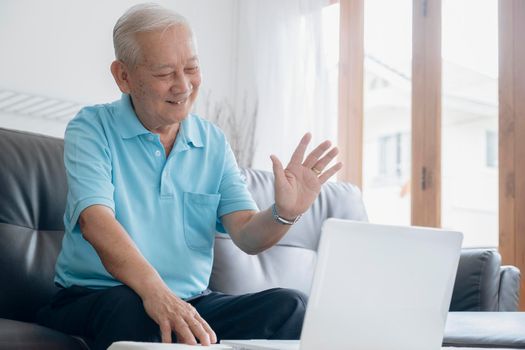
{"x": 316, "y": 171}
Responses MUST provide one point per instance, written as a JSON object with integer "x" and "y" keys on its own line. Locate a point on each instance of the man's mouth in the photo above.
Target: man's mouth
{"x": 178, "y": 101}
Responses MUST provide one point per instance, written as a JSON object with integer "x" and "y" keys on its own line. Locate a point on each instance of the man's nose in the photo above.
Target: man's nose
{"x": 181, "y": 83}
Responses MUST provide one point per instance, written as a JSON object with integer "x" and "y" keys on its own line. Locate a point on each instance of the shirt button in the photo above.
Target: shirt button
{"x": 157, "y": 153}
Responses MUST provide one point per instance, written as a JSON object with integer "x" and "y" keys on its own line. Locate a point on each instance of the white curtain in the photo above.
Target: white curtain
{"x": 287, "y": 64}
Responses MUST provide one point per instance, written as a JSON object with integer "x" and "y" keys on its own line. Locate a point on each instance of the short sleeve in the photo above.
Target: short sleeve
{"x": 234, "y": 192}
{"x": 87, "y": 160}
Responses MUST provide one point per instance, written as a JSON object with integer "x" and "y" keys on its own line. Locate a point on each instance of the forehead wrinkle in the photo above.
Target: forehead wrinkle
{"x": 168, "y": 65}
{"x": 161, "y": 66}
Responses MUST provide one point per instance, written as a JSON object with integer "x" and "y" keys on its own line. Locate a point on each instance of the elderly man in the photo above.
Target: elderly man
{"x": 149, "y": 183}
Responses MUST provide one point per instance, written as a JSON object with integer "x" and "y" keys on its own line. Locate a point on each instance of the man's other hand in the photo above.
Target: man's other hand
{"x": 173, "y": 314}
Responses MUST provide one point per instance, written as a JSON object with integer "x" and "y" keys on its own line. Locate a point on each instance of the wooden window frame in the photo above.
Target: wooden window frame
{"x": 426, "y": 113}
{"x": 350, "y": 122}
{"x": 512, "y": 135}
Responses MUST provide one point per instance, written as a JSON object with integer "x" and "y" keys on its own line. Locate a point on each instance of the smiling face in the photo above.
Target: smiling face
{"x": 164, "y": 83}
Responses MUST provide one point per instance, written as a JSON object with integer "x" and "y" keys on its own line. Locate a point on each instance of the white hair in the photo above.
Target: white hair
{"x": 138, "y": 19}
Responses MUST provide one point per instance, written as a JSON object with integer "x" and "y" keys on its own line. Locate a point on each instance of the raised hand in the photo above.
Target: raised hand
{"x": 299, "y": 184}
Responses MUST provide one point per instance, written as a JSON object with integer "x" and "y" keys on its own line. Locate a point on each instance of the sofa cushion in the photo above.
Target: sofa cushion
{"x": 22, "y": 335}
{"x": 291, "y": 262}
{"x": 27, "y": 267}
{"x": 33, "y": 191}
{"x": 509, "y": 288}
{"x": 281, "y": 266}
{"x": 32, "y": 201}
{"x": 485, "y": 330}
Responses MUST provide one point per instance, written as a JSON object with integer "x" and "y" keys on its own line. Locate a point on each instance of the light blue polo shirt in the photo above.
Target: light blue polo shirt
{"x": 170, "y": 207}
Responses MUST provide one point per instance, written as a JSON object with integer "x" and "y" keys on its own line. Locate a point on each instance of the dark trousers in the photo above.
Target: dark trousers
{"x": 117, "y": 314}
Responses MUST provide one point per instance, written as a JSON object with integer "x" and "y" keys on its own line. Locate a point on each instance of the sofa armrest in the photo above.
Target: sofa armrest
{"x": 482, "y": 284}
{"x": 509, "y": 290}
{"x": 477, "y": 281}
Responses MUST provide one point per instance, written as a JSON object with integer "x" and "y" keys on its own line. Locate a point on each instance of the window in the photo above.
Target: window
{"x": 394, "y": 157}
{"x": 491, "y": 149}
{"x": 387, "y": 110}
{"x": 470, "y": 120}
{"x": 460, "y": 131}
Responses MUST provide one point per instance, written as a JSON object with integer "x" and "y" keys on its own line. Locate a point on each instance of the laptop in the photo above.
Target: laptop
{"x": 376, "y": 287}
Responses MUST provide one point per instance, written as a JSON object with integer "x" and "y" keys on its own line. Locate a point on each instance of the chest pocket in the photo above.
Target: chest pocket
{"x": 200, "y": 215}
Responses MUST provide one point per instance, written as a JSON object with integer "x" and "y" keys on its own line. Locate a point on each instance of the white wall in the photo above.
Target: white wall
{"x": 62, "y": 49}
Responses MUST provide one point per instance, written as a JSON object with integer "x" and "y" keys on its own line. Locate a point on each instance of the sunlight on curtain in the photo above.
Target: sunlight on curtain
{"x": 288, "y": 56}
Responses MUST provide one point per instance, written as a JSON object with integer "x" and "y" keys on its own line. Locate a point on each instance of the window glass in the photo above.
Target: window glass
{"x": 387, "y": 110}
{"x": 470, "y": 120}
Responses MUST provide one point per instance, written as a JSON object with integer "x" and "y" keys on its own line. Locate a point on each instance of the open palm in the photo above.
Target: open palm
{"x": 299, "y": 184}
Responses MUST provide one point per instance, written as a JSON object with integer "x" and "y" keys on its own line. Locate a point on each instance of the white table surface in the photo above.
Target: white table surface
{"x": 125, "y": 345}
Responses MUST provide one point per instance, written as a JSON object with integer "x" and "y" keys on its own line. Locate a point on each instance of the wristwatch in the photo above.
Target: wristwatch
{"x": 280, "y": 220}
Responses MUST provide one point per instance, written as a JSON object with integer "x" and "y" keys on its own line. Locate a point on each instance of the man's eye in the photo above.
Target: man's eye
{"x": 162, "y": 75}
{"x": 192, "y": 69}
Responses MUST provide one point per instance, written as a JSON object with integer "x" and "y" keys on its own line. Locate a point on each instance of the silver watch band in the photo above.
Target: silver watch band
{"x": 280, "y": 220}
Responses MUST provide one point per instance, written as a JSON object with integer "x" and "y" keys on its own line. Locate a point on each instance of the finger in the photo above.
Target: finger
{"x": 323, "y": 162}
{"x": 165, "y": 331}
{"x": 316, "y": 153}
{"x": 328, "y": 174}
{"x": 208, "y": 329}
{"x": 183, "y": 331}
{"x": 298, "y": 154}
{"x": 278, "y": 170}
{"x": 198, "y": 330}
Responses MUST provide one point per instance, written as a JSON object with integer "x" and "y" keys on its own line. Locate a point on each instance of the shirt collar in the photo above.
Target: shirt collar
{"x": 190, "y": 131}
{"x": 130, "y": 125}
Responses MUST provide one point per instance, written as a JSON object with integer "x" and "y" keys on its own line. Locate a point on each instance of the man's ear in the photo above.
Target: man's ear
{"x": 121, "y": 75}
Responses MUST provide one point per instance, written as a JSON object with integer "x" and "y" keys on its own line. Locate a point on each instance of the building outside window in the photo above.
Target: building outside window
{"x": 491, "y": 149}
{"x": 394, "y": 158}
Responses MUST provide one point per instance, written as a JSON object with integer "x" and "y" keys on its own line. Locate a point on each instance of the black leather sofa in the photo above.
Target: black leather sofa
{"x": 32, "y": 200}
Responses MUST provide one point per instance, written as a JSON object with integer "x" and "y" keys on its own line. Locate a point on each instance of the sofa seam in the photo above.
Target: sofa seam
{"x": 29, "y": 227}
{"x": 482, "y": 271}
{"x": 501, "y": 273}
